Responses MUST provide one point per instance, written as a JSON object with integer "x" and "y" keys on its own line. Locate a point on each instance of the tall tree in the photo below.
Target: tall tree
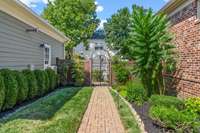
{"x": 150, "y": 44}
{"x": 76, "y": 18}
{"x": 117, "y": 30}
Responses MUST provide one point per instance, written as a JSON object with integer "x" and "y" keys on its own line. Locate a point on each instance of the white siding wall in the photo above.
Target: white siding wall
{"x": 19, "y": 48}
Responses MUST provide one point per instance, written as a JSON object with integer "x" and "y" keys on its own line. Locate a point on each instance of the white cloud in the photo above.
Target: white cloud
{"x": 101, "y": 25}
{"x": 99, "y": 8}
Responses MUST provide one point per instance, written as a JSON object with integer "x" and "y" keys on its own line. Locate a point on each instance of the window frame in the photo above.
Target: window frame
{"x": 46, "y": 46}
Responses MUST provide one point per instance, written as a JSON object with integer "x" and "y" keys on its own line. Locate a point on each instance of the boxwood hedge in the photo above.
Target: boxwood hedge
{"x": 32, "y": 83}
{"x": 10, "y": 88}
{"x": 22, "y": 87}
{"x": 40, "y": 77}
{"x": 2, "y": 91}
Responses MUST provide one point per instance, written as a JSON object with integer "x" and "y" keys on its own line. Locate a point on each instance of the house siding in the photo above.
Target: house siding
{"x": 19, "y": 48}
{"x": 185, "y": 26}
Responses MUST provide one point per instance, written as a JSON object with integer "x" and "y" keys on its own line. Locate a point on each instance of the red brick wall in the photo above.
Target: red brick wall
{"x": 186, "y": 28}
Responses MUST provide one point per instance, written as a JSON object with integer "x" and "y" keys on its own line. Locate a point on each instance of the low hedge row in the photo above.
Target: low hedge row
{"x": 16, "y": 87}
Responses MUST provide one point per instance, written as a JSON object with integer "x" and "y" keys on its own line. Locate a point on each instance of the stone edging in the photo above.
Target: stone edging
{"x": 137, "y": 117}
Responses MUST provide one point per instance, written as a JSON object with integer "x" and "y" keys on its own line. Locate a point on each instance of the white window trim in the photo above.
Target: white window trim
{"x": 47, "y": 65}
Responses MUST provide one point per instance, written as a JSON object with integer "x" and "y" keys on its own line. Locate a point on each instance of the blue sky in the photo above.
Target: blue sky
{"x": 105, "y": 8}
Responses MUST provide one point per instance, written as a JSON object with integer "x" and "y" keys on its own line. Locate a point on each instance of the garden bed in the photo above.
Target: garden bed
{"x": 149, "y": 125}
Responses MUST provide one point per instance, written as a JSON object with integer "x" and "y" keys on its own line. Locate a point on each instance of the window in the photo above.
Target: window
{"x": 98, "y": 48}
{"x": 47, "y": 56}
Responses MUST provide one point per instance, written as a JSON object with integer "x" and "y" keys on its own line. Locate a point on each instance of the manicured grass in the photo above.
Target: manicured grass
{"x": 60, "y": 112}
{"x": 126, "y": 115}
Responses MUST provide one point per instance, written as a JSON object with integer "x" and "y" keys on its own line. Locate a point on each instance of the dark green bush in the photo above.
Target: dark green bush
{"x": 193, "y": 105}
{"x": 175, "y": 119}
{"x": 32, "y": 83}
{"x": 40, "y": 77}
{"x": 52, "y": 78}
{"x": 10, "y": 88}
{"x": 47, "y": 84}
{"x": 62, "y": 73}
{"x": 136, "y": 92}
{"x": 2, "y": 91}
{"x": 22, "y": 87}
{"x": 168, "y": 101}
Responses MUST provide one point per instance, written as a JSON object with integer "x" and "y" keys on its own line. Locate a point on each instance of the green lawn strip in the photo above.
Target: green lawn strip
{"x": 59, "y": 112}
{"x": 126, "y": 115}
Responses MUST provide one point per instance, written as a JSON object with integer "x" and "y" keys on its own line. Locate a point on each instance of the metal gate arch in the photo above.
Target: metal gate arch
{"x": 108, "y": 60}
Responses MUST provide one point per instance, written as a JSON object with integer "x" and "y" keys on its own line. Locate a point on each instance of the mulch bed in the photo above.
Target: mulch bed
{"x": 149, "y": 124}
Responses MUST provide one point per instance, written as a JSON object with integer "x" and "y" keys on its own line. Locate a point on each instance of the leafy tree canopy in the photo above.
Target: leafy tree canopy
{"x": 117, "y": 30}
{"x": 76, "y": 18}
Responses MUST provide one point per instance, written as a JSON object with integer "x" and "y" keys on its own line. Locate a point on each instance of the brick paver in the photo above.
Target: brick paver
{"x": 101, "y": 115}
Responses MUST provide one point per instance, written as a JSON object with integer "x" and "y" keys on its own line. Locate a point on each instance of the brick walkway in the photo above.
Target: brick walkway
{"x": 101, "y": 115}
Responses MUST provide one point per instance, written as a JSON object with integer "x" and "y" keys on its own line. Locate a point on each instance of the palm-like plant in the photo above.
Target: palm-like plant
{"x": 151, "y": 47}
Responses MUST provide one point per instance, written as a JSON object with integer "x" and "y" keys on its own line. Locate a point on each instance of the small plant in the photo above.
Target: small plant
{"x": 22, "y": 87}
{"x": 2, "y": 91}
{"x": 10, "y": 88}
{"x": 136, "y": 92}
{"x": 193, "y": 105}
{"x": 167, "y": 101}
{"x": 40, "y": 77}
{"x": 174, "y": 119}
{"x": 123, "y": 91}
{"x": 78, "y": 71}
{"x": 32, "y": 83}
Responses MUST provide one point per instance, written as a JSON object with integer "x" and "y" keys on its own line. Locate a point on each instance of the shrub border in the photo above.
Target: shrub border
{"x": 135, "y": 114}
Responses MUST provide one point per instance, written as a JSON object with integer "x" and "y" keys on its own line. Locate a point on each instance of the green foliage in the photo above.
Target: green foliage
{"x": 193, "y": 105}
{"x": 47, "y": 84}
{"x": 121, "y": 69}
{"x": 136, "y": 92}
{"x": 173, "y": 118}
{"x": 78, "y": 71}
{"x": 10, "y": 88}
{"x": 32, "y": 83}
{"x": 97, "y": 75}
{"x": 41, "y": 83}
{"x": 52, "y": 78}
{"x": 76, "y": 18}
{"x": 151, "y": 48}
{"x": 167, "y": 101}
{"x": 117, "y": 31}
{"x": 123, "y": 91}
{"x": 22, "y": 87}
{"x": 62, "y": 72}
{"x": 2, "y": 91}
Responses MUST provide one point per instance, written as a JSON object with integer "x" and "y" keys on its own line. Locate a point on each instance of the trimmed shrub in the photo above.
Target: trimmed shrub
{"x": 47, "y": 84}
{"x": 22, "y": 87}
{"x": 32, "y": 83}
{"x": 167, "y": 101}
{"x": 2, "y": 91}
{"x": 52, "y": 78}
{"x": 193, "y": 105}
{"x": 10, "y": 88}
{"x": 175, "y": 119}
{"x": 136, "y": 92}
{"x": 40, "y": 77}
